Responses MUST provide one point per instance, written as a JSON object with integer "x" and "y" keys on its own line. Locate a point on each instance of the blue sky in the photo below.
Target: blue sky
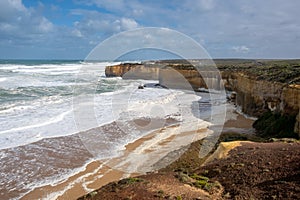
{"x": 70, "y": 29}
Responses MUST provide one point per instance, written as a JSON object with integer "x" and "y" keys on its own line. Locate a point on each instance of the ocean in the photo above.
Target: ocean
{"x": 55, "y": 119}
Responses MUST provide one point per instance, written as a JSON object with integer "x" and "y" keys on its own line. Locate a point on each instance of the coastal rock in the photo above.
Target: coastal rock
{"x": 190, "y": 79}
{"x": 132, "y": 71}
{"x": 254, "y": 95}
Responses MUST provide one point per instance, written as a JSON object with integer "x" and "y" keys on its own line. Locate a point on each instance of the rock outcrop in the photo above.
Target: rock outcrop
{"x": 133, "y": 71}
{"x": 254, "y": 96}
{"x": 190, "y": 78}
{"x": 257, "y": 96}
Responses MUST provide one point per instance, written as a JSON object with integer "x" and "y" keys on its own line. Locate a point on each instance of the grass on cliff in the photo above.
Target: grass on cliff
{"x": 283, "y": 71}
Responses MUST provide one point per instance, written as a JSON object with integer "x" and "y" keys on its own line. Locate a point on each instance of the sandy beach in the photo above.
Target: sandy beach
{"x": 138, "y": 157}
{"x": 141, "y": 156}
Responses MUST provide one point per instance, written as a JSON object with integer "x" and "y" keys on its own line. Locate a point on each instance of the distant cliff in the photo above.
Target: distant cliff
{"x": 133, "y": 71}
{"x": 260, "y": 86}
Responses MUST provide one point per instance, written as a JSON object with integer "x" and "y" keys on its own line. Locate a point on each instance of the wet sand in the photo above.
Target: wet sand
{"x": 236, "y": 122}
{"x": 138, "y": 158}
{"x": 140, "y": 153}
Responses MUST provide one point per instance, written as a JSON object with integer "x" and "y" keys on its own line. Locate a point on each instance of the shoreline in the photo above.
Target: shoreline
{"x": 98, "y": 173}
{"x": 101, "y": 172}
{"x": 241, "y": 166}
{"x": 72, "y": 170}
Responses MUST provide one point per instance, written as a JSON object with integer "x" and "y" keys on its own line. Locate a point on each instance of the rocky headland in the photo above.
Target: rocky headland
{"x": 268, "y": 89}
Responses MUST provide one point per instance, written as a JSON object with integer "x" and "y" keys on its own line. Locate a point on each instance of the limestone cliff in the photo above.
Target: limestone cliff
{"x": 258, "y": 96}
{"x": 254, "y": 95}
{"x": 132, "y": 71}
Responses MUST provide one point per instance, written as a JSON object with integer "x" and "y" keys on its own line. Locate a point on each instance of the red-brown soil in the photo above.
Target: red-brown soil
{"x": 250, "y": 171}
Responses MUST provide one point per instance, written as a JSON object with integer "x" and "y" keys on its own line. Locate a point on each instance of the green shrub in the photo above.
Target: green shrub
{"x": 130, "y": 181}
{"x": 275, "y": 125}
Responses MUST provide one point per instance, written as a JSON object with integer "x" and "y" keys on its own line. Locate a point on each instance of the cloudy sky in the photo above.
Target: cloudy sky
{"x": 70, "y": 29}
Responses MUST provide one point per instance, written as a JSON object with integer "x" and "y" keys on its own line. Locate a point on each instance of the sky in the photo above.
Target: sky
{"x": 70, "y": 29}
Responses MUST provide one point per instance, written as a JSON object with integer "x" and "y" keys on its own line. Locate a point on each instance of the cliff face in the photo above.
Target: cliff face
{"x": 132, "y": 71}
{"x": 175, "y": 78}
{"x": 255, "y": 97}
{"x": 258, "y": 96}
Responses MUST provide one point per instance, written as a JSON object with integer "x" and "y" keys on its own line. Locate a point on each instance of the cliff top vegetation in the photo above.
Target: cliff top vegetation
{"x": 284, "y": 71}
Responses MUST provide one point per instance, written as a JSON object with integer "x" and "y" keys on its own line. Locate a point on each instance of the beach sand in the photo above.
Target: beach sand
{"x": 139, "y": 157}
{"x": 237, "y": 122}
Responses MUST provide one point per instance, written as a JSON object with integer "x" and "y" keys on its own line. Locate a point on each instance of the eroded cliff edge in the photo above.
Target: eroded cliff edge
{"x": 261, "y": 86}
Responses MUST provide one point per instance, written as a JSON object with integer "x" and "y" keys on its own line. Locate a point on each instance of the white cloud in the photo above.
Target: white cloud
{"x": 111, "y": 5}
{"x": 96, "y": 23}
{"x": 4, "y": 27}
{"x": 128, "y": 24}
{"x": 18, "y": 21}
{"x": 241, "y": 49}
{"x": 107, "y": 4}
{"x": 199, "y": 5}
{"x": 8, "y": 9}
{"x": 45, "y": 25}
{"x": 206, "y": 4}
{"x": 77, "y": 33}
{"x": 226, "y": 28}
{"x": 138, "y": 12}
